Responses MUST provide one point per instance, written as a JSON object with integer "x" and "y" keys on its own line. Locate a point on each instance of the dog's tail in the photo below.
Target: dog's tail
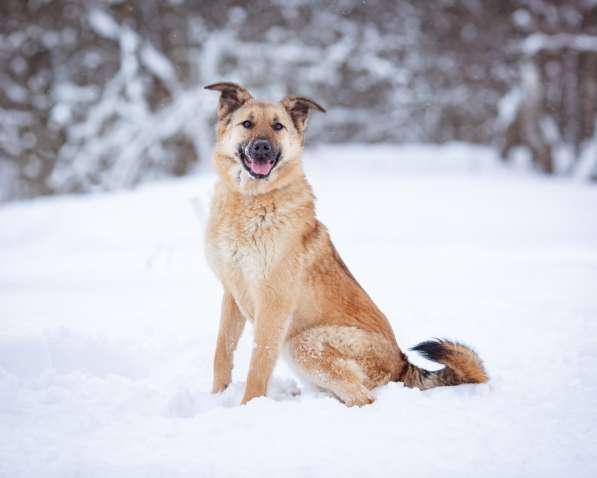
{"x": 462, "y": 365}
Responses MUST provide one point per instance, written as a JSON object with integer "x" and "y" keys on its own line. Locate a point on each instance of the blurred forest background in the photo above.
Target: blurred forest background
{"x": 98, "y": 95}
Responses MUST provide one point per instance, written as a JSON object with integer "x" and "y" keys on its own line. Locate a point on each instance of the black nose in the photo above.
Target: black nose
{"x": 261, "y": 149}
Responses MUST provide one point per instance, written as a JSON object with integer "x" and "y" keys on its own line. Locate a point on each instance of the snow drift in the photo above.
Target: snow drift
{"x": 109, "y": 317}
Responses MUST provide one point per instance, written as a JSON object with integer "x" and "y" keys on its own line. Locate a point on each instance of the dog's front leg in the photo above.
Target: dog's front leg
{"x": 232, "y": 323}
{"x": 274, "y": 313}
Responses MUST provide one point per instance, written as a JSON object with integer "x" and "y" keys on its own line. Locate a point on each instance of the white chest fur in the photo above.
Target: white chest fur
{"x": 246, "y": 246}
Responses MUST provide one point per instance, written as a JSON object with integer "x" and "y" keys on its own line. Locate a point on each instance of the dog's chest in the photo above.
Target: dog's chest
{"x": 245, "y": 247}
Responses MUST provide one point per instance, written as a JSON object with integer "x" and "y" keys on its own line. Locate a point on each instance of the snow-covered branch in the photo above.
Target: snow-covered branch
{"x": 538, "y": 42}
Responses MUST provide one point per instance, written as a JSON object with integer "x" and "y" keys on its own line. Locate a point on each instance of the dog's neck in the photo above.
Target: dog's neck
{"x": 296, "y": 194}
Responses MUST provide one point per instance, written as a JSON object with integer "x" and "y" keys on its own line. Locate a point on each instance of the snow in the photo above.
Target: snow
{"x": 538, "y": 42}
{"x": 508, "y": 107}
{"x": 157, "y": 63}
{"x": 587, "y": 164}
{"x": 103, "y": 24}
{"x": 109, "y": 318}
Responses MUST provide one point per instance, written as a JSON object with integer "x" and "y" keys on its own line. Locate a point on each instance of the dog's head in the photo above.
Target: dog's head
{"x": 259, "y": 144}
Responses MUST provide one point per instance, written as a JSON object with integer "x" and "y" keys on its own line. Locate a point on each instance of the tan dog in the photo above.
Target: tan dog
{"x": 280, "y": 270}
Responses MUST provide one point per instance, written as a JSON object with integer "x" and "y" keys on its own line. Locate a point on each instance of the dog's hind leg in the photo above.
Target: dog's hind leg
{"x": 338, "y": 359}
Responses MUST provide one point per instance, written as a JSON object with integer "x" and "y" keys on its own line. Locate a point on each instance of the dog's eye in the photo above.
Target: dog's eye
{"x": 247, "y": 124}
{"x": 278, "y": 126}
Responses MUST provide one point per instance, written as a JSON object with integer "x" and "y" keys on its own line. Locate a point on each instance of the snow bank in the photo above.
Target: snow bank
{"x": 109, "y": 318}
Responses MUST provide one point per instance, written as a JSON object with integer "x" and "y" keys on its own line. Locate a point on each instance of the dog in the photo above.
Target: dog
{"x": 280, "y": 270}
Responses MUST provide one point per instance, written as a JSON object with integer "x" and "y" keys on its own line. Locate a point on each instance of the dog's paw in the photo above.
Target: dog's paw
{"x": 219, "y": 387}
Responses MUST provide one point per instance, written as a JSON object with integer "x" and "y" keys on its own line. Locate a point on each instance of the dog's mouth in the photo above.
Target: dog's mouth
{"x": 260, "y": 167}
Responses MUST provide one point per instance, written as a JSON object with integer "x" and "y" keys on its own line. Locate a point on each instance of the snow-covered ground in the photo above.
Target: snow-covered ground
{"x": 109, "y": 314}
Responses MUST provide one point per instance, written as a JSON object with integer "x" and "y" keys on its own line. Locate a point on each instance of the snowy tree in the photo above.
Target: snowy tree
{"x": 100, "y": 95}
{"x": 553, "y": 111}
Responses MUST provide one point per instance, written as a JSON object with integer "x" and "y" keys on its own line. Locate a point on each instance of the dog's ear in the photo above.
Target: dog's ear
{"x": 232, "y": 97}
{"x": 298, "y": 108}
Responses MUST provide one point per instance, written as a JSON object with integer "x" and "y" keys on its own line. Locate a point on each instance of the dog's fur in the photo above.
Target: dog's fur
{"x": 280, "y": 270}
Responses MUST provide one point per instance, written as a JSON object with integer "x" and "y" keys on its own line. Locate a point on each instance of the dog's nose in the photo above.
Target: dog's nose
{"x": 261, "y": 148}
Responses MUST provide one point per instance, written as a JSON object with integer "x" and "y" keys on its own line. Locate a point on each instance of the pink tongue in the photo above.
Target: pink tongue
{"x": 260, "y": 167}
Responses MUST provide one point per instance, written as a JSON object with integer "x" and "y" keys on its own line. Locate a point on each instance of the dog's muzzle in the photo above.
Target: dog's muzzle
{"x": 259, "y": 158}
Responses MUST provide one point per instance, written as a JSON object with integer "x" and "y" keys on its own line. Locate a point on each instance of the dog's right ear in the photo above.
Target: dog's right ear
{"x": 232, "y": 97}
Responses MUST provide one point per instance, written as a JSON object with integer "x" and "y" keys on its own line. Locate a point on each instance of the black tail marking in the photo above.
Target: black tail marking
{"x": 434, "y": 350}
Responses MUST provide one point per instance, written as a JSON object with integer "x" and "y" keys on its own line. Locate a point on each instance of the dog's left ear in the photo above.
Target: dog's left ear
{"x": 298, "y": 108}
{"x": 232, "y": 97}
